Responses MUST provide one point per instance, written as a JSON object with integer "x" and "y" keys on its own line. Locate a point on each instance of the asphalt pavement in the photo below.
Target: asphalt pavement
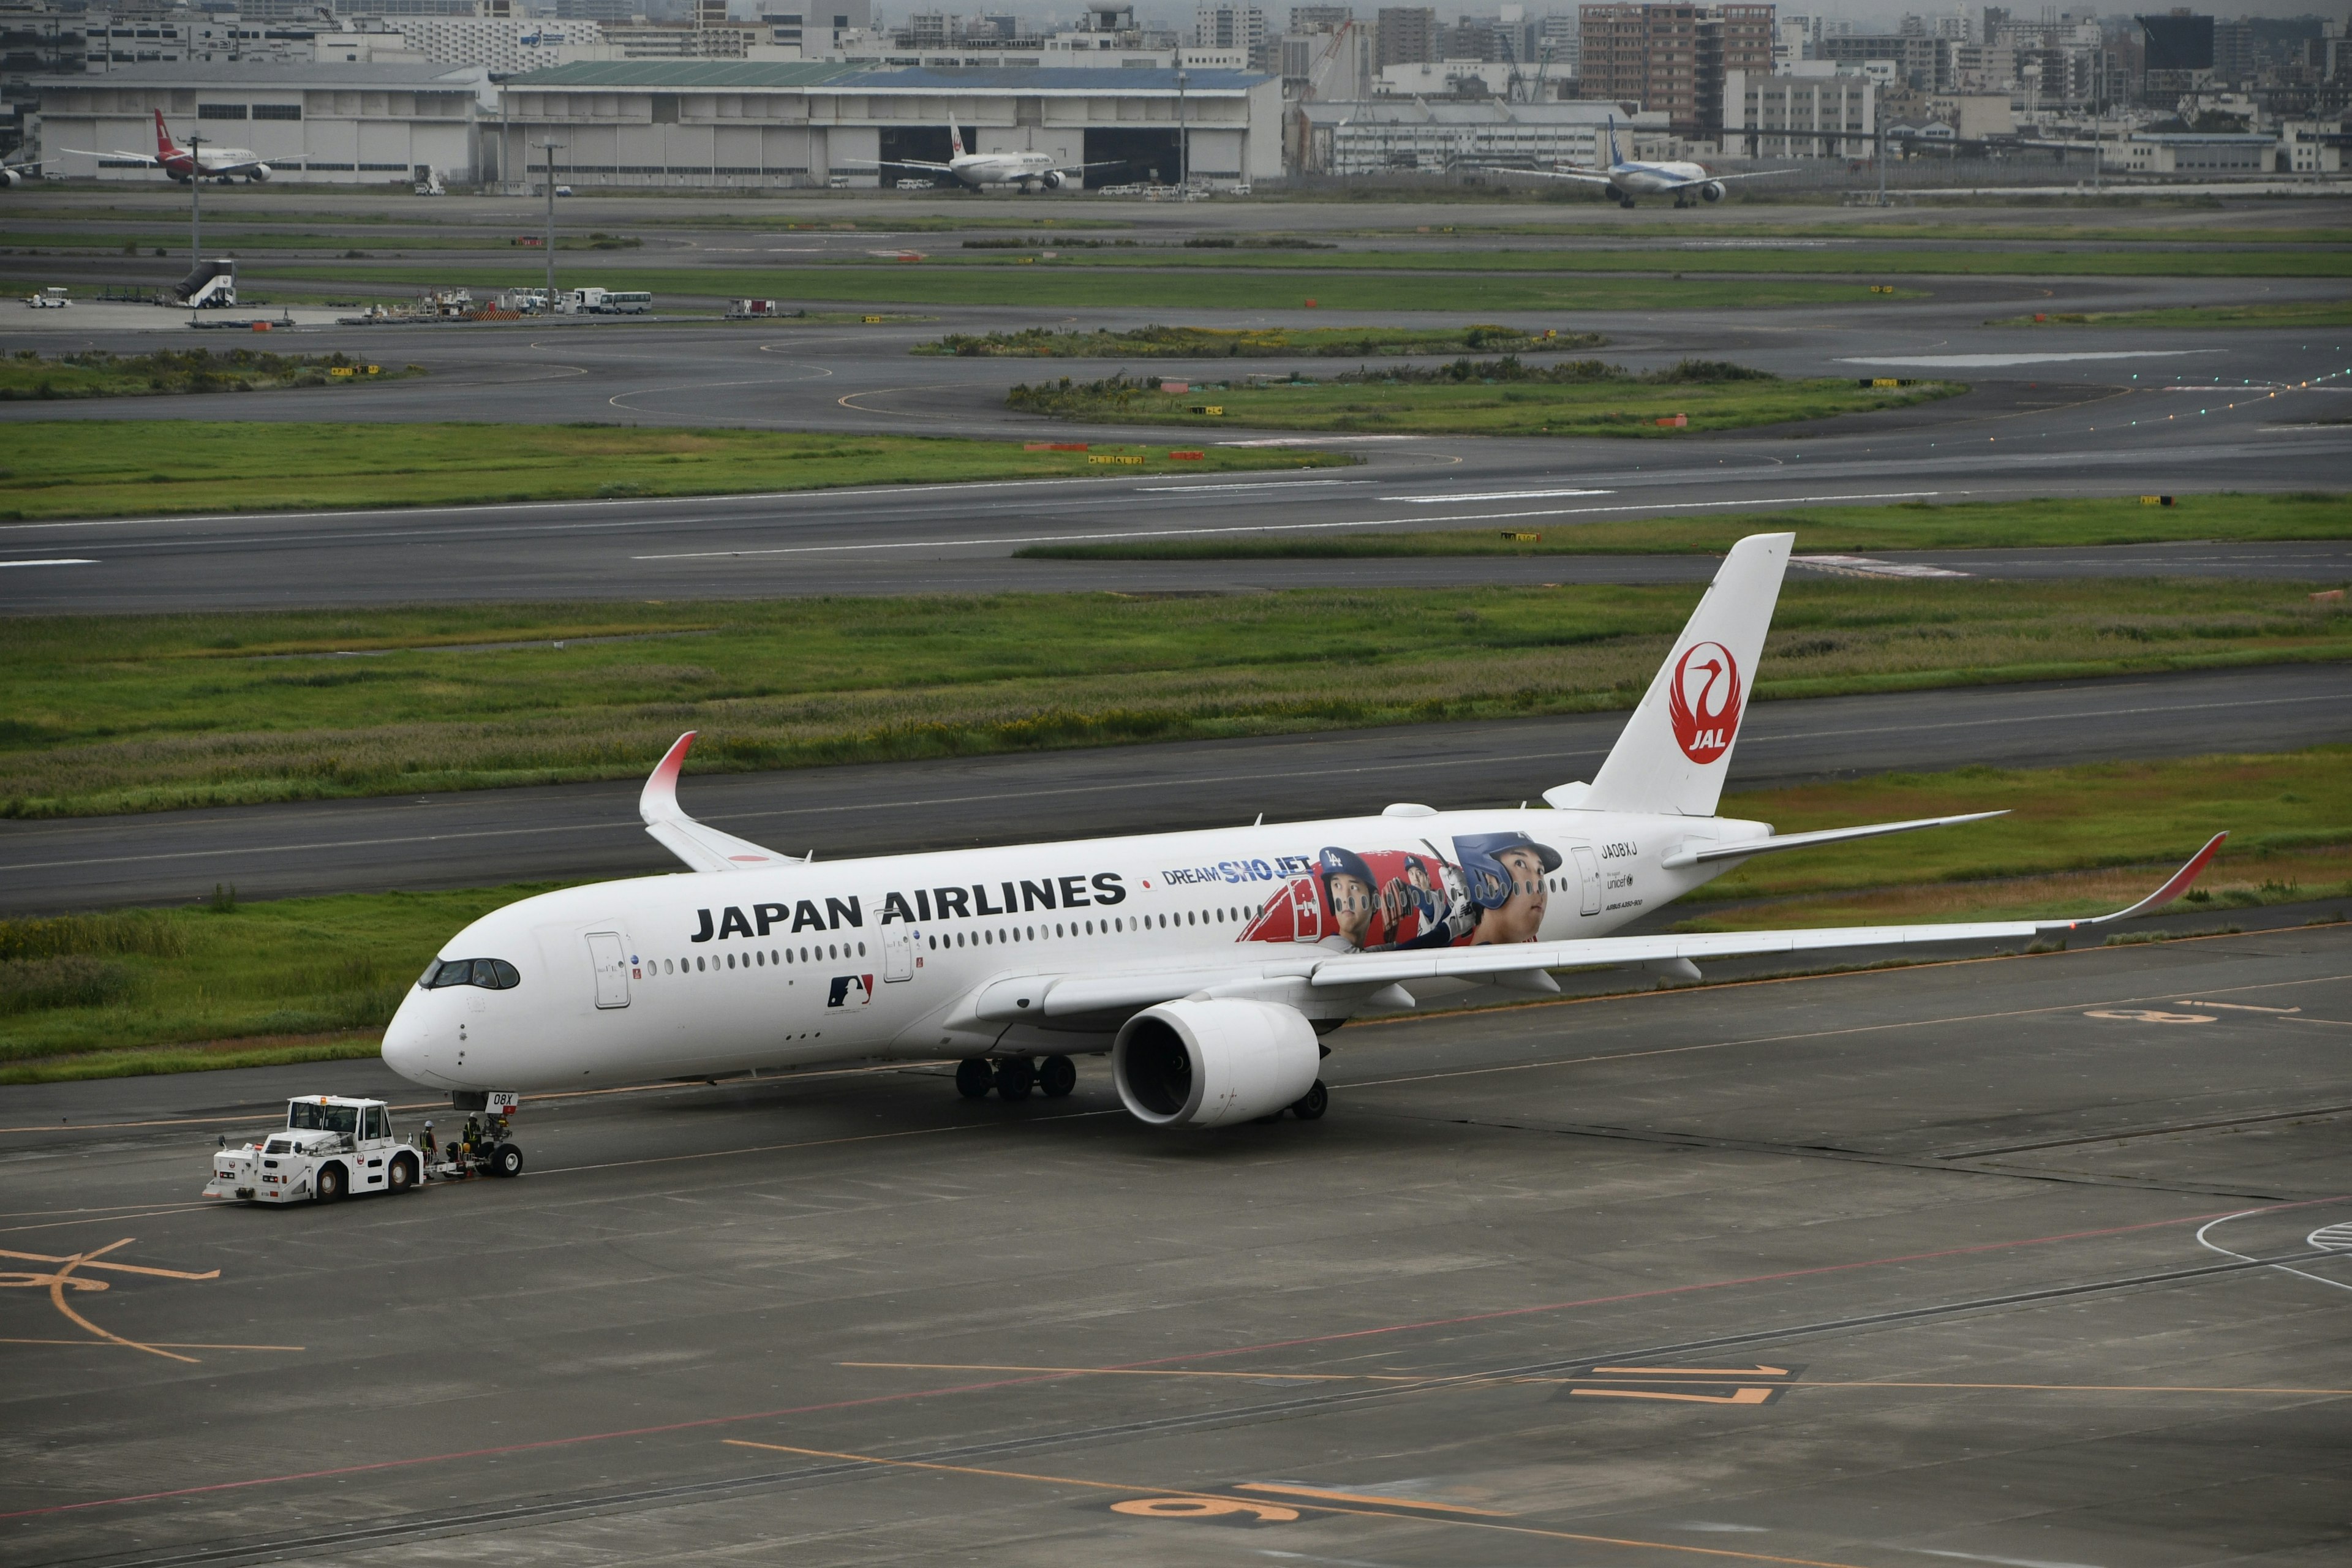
{"x": 2027, "y": 1261}
{"x": 580, "y": 831}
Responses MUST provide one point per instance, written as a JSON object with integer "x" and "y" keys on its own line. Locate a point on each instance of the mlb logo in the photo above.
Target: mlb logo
{"x": 850, "y": 990}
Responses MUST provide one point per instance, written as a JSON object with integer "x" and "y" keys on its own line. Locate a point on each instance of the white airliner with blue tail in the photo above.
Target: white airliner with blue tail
{"x": 1627, "y": 179}
{"x": 1208, "y": 966}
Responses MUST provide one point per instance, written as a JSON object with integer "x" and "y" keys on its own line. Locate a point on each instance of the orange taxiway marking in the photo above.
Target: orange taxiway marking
{"x": 64, "y": 1277}
{"x": 1495, "y": 1523}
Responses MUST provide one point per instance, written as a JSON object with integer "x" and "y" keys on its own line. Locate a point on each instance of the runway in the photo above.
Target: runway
{"x": 2051, "y": 412}
{"x": 486, "y": 837}
{"x": 1984, "y": 1262}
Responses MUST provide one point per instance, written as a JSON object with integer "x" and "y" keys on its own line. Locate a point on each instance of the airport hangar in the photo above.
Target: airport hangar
{"x": 702, "y": 123}
{"x": 669, "y": 124}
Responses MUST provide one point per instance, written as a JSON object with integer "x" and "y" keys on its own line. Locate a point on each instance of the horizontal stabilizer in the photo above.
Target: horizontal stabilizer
{"x": 699, "y": 846}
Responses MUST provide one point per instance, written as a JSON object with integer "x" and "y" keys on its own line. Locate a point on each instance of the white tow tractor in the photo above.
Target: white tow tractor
{"x": 334, "y": 1146}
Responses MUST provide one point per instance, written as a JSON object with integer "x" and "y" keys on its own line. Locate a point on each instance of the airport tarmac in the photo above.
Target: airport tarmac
{"x": 486, "y": 837}
{"x": 2034, "y": 1260}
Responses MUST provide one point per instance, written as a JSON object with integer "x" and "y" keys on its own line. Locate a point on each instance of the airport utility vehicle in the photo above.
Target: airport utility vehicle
{"x": 334, "y": 1146}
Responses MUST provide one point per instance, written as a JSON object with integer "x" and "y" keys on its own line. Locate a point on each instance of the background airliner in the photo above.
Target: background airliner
{"x": 1033, "y": 171}
{"x": 1209, "y": 965}
{"x": 1627, "y": 179}
{"x": 222, "y": 165}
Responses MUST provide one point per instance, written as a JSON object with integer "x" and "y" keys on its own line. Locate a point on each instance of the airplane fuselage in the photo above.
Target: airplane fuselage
{"x": 920, "y": 956}
{"x": 1654, "y": 179}
{"x": 1030, "y": 169}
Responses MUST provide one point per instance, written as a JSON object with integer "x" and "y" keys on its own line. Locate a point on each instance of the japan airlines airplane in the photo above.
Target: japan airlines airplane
{"x": 222, "y": 165}
{"x": 1033, "y": 171}
{"x": 1627, "y": 180}
{"x": 1209, "y": 965}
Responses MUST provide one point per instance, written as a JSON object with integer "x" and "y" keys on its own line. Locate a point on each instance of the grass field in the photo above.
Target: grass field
{"x": 30, "y": 374}
{"x": 1914, "y": 525}
{"x": 105, "y": 468}
{"x": 1210, "y": 342}
{"x": 1489, "y": 398}
{"x": 309, "y": 979}
{"x": 1468, "y": 294}
{"x": 146, "y": 712}
{"x": 1603, "y": 226}
{"x": 2289, "y": 817}
{"x": 2107, "y": 262}
{"x": 2285, "y": 313}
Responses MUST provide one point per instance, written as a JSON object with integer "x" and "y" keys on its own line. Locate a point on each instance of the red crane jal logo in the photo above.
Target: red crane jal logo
{"x": 1704, "y": 701}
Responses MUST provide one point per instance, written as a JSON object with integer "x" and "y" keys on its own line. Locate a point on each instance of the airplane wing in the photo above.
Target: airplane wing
{"x": 703, "y": 848}
{"x": 1277, "y": 976}
{"x": 1588, "y": 176}
{"x": 1718, "y": 179}
{"x": 898, "y": 163}
{"x": 147, "y": 158}
{"x": 248, "y": 164}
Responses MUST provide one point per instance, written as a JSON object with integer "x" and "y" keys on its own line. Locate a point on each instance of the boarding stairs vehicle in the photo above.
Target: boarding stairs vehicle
{"x": 211, "y": 286}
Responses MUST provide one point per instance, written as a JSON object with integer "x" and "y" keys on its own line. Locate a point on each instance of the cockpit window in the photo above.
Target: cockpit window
{"x": 303, "y": 1116}
{"x": 489, "y": 973}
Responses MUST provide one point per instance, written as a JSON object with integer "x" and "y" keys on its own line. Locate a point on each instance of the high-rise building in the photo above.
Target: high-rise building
{"x": 1320, "y": 18}
{"x": 1408, "y": 36}
{"x": 1229, "y": 27}
{"x": 1672, "y": 57}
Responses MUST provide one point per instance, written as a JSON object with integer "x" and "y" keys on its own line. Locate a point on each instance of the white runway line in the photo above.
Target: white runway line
{"x": 47, "y": 562}
{"x": 1277, "y": 526}
{"x": 1987, "y": 361}
{"x": 1495, "y": 495}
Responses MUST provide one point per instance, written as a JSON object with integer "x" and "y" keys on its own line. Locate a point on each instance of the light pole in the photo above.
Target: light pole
{"x": 1183, "y": 136}
{"x": 196, "y": 203}
{"x": 551, "y": 147}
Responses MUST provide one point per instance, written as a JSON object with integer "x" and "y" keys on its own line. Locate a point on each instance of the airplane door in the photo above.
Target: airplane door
{"x": 1589, "y": 864}
{"x": 898, "y": 954}
{"x": 1306, "y": 910}
{"x": 610, "y": 959}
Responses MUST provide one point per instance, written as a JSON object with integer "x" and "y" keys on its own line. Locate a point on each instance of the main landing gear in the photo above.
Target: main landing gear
{"x": 1014, "y": 1077}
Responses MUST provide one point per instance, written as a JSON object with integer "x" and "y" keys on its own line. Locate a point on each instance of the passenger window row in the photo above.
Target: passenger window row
{"x": 757, "y": 960}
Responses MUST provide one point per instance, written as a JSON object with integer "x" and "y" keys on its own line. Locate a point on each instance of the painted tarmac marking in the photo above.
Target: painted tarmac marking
{"x": 869, "y": 1401}
{"x": 1277, "y": 526}
{"x": 2332, "y": 1243}
{"x": 64, "y": 1277}
{"x": 61, "y": 562}
{"x": 1284, "y": 1488}
{"x": 2148, "y": 1016}
{"x": 1493, "y": 1522}
{"x": 2216, "y": 1246}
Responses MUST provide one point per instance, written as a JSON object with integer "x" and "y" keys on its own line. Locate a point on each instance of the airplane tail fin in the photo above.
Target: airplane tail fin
{"x": 1674, "y": 751}
{"x": 955, "y": 138}
{"x": 163, "y": 147}
{"x": 1614, "y": 159}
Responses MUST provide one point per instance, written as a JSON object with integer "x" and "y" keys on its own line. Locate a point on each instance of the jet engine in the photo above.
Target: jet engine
{"x": 1212, "y": 1063}
{"x": 258, "y": 173}
{"x": 1054, "y": 179}
{"x": 1711, "y": 192}
{"x": 9, "y": 177}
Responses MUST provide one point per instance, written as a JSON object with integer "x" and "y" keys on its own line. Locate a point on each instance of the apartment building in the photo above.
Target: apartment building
{"x": 1672, "y": 57}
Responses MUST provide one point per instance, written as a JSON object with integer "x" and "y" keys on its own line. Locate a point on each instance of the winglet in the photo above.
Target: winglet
{"x": 659, "y": 801}
{"x": 699, "y": 845}
{"x": 2173, "y": 887}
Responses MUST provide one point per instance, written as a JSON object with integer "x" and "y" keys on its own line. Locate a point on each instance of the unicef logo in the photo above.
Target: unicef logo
{"x": 1703, "y": 701}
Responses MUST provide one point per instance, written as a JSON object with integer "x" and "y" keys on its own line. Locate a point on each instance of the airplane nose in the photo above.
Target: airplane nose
{"x": 406, "y": 1047}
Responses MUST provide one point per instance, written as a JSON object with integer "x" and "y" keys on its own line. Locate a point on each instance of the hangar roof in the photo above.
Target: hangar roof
{"x": 686, "y": 75}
